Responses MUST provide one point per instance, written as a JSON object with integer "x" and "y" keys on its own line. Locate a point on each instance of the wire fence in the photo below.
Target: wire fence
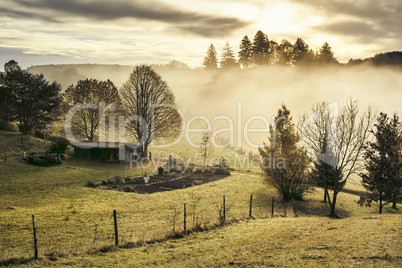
{"x": 76, "y": 233}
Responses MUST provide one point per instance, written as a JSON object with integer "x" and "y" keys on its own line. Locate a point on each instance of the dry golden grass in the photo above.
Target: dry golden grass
{"x": 73, "y": 220}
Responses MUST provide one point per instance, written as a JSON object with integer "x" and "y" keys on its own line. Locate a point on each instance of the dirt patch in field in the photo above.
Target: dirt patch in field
{"x": 169, "y": 182}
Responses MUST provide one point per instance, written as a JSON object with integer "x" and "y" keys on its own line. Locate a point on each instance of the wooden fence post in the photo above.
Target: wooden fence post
{"x": 250, "y": 214}
{"x": 185, "y": 219}
{"x": 273, "y": 203}
{"x": 224, "y": 209}
{"x": 116, "y": 232}
{"x": 35, "y": 238}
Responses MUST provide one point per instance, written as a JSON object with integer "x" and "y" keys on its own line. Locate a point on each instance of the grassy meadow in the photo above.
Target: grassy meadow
{"x": 75, "y": 222}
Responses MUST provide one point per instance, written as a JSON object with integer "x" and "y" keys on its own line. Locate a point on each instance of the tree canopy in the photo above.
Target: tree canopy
{"x": 150, "y": 103}
{"x": 27, "y": 98}
{"x": 99, "y": 94}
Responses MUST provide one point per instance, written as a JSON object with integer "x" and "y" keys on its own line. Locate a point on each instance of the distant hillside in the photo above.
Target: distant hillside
{"x": 68, "y": 74}
{"x": 382, "y": 59}
{"x": 176, "y": 72}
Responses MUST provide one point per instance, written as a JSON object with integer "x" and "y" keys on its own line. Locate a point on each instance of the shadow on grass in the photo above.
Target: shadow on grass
{"x": 307, "y": 207}
{"x": 319, "y": 208}
{"x": 171, "y": 236}
{"x": 16, "y": 261}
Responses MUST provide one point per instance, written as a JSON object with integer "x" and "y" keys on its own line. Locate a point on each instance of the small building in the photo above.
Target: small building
{"x": 106, "y": 151}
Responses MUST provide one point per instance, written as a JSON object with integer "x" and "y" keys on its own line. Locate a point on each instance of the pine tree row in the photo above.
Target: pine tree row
{"x": 262, "y": 51}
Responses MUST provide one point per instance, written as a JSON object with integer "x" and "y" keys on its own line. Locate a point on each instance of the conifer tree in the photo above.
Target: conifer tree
{"x": 246, "y": 52}
{"x": 382, "y": 178}
{"x": 260, "y": 48}
{"x": 228, "y": 57}
{"x": 284, "y": 52}
{"x": 289, "y": 175}
{"x": 302, "y": 55}
{"x": 325, "y": 55}
{"x": 211, "y": 60}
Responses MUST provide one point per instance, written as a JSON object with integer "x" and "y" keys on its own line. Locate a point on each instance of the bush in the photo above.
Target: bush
{"x": 206, "y": 170}
{"x": 189, "y": 169}
{"x": 160, "y": 171}
{"x": 221, "y": 171}
{"x": 118, "y": 180}
{"x": 39, "y": 135}
{"x": 198, "y": 170}
{"x": 59, "y": 145}
{"x": 91, "y": 184}
{"x": 5, "y": 125}
{"x": 128, "y": 189}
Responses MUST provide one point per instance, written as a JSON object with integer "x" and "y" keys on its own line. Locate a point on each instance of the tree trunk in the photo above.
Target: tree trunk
{"x": 394, "y": 203}
{"x": 394, "y": 198}
{"x": 380, "y": 202}
{"x": 332, "y": 214}
{"x": 145, "y": 151}
{"x": 325, "y": 195}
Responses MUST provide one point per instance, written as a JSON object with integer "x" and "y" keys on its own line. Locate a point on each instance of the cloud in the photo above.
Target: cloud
{"x": 369, "y": 16}
{"x": 357, "y": 29}
{"x": 189, "y": 21}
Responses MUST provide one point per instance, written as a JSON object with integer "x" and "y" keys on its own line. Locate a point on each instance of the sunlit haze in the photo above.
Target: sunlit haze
{"x": 36, "y": 32}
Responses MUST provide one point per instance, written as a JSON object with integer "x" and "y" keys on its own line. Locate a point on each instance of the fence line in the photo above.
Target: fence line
{"x": 81, "y": 233}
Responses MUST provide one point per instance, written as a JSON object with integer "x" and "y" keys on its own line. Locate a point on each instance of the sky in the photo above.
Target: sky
{"x": 129, "y": 32}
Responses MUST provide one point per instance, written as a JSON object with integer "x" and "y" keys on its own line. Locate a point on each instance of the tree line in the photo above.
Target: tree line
{"x": 263, "y": 51}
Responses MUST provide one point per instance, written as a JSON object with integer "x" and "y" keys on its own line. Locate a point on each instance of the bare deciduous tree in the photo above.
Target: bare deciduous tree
{"x": 205, "y": 148}
{"x": 147, "y": 98}
{"x": 316, "y": 134}
{"x": 342, "y": 144}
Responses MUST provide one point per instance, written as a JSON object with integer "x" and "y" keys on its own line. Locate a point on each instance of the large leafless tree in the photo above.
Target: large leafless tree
{"x": 150, "y": 103}
{"x": 338, "y": 141}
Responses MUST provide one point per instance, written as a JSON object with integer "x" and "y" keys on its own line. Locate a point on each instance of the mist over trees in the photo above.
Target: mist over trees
{"x": 393, "y": 58}
{"x": 330, "y": 173}
{"x": 246, "y": 52}
{"x": 211, "y": 60}
{"x": 228, "y": 57}
{"x": 263, "y": 51}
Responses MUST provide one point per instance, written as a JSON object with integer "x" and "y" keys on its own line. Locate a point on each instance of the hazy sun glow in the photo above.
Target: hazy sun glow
{"x": 157, "y": 31}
